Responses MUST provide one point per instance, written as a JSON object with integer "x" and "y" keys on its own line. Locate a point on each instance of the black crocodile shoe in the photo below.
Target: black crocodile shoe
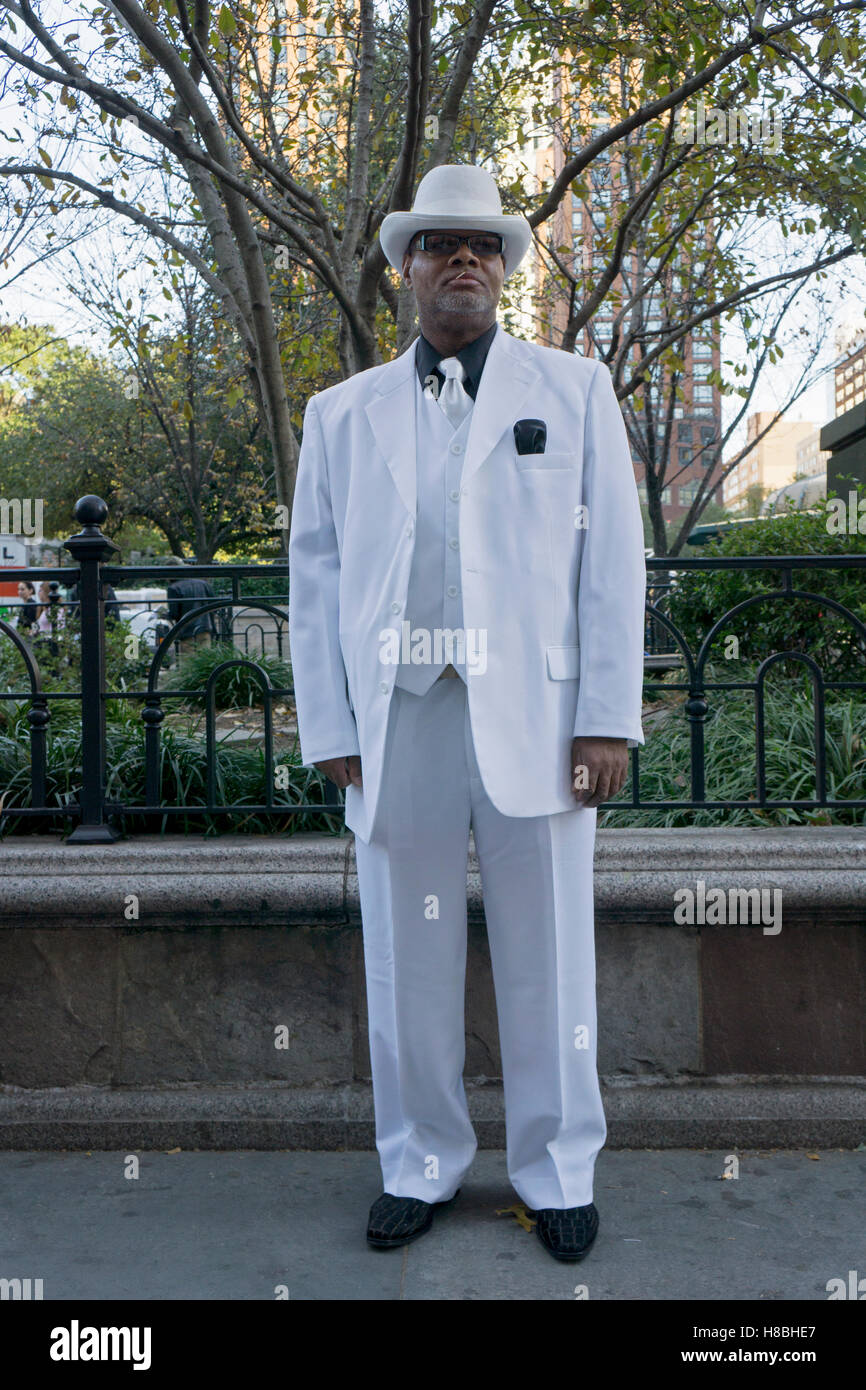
{"x": 397, "y": 1220}
{"x": 567, "y": 1232}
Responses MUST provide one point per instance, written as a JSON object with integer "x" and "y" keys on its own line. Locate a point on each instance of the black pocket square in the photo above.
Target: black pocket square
{"x": 530, "y": 436}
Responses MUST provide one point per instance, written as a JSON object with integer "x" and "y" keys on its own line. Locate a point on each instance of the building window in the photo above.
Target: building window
{"x": 702, "y": 393}
{"x": 684, "y": 432}
{"x": 708, "y": 435}
{"x": 688, "y": 493}
{"x": 326, "y": 49}
{"x": 666, "y": 496}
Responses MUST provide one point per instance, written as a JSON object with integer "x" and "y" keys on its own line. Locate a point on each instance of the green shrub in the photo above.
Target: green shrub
{"x": 730, "y": 762}
{"x": 240, "y": 775}
{"x": 700, "y": 597}
{"x": 237, "y": 687}
{"x": 126, "y": 660}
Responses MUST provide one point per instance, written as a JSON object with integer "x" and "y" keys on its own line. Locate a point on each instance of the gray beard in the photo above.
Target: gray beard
{"x": 478, "y": 301}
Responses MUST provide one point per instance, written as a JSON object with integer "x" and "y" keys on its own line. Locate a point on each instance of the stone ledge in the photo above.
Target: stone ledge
{"x": 725, "y": 1112}
{"x": 311, "y": 879}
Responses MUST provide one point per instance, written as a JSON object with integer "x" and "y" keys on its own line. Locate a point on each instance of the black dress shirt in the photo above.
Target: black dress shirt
{"x": 472, "y": 357}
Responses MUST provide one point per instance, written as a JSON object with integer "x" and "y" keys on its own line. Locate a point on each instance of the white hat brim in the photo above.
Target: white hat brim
{"x": 398, "y": 228}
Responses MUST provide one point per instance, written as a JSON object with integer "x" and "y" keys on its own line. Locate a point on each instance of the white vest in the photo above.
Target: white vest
{"x": 434, "y": 601}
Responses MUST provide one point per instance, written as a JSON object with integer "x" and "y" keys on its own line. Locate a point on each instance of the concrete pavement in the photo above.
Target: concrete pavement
{"x": 238, "y": 1225}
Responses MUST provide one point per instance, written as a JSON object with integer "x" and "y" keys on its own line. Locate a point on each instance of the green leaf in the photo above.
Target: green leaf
{"x": 226, "y": 22}
{"x": 46, "y": 159}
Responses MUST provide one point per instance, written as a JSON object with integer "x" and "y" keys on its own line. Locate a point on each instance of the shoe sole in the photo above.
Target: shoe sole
{"x": 378, "y": 1244}
{"x": 569, "y": 1259}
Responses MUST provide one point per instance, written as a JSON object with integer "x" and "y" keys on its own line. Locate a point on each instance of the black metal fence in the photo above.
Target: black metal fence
{"x": 95, "y": 815}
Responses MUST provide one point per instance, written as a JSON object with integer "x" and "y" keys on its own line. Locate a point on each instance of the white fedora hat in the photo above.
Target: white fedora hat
{"x": 455, "y": 197}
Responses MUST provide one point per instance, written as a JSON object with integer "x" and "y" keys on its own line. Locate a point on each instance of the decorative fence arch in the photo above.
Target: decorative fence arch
{"x": 695, "y": 688}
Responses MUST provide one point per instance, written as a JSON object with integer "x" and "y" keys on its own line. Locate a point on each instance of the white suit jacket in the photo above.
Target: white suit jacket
{"x": 552, "y": 565}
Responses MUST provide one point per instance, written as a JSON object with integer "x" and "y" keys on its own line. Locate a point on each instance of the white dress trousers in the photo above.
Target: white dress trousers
{"x": 536, "y": 878}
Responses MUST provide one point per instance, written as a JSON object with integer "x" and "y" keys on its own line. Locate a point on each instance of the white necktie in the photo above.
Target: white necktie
{"x": 454, "y": 400}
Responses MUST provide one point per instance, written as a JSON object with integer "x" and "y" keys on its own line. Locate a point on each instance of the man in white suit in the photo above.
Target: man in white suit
{"x": 466, "y": 623}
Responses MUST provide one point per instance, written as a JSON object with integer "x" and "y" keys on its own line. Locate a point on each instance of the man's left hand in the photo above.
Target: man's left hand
{"x": 606, "y": 764}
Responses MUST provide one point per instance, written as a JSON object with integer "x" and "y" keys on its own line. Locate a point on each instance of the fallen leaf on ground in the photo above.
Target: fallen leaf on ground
{"x": 519, "y": 1214}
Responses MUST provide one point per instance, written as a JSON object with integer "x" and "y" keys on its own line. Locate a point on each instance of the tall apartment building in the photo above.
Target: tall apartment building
{"x": 850, "y": 371}
{"x": 282, "y": 96}
{"x": 811, "y": 458}
{"x": 578, "y": 226}
{"x": 774, "y": 461}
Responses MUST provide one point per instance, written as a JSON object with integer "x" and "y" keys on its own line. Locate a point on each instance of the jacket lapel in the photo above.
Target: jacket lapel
{"x": 506, "y": 382}
{"x": 508, "y": 378}
{"x": 391, "y": 413}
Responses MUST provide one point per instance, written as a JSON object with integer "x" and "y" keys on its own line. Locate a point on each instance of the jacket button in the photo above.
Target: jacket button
{"x": 395, "y": 608}
{"x": 383, "y": 686}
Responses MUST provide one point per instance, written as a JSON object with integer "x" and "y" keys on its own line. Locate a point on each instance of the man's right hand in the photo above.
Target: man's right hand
{"x": 342, "y": 770}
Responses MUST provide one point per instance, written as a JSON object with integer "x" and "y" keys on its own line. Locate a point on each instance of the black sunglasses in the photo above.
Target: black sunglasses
{"x": 446, "y": 243}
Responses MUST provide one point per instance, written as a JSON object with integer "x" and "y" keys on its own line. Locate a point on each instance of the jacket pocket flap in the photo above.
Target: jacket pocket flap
{"x": 554, "y": 460}
{"x": 563, "y": 663}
